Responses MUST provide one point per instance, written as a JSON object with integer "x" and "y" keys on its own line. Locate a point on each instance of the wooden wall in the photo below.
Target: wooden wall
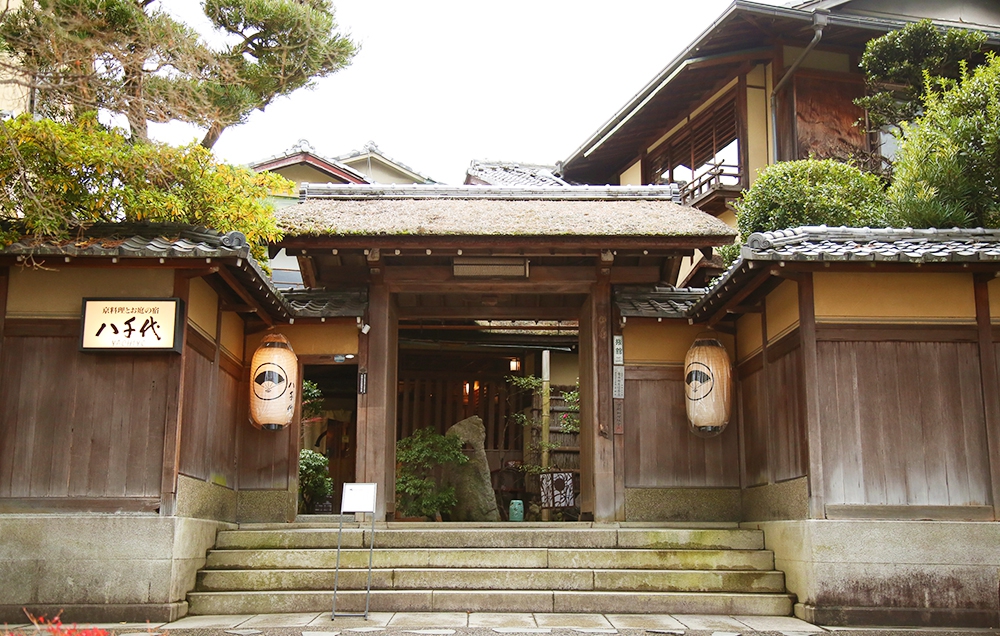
{"x": 660, "y": 450}
{"x": 78, "y": 428}
{"x": 902, "y": 416}
{"x": 771, "y": 412}
{"x": 213, "y": 406}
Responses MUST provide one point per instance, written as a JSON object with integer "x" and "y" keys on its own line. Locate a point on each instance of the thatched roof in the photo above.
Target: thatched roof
{"x": 646, "y": 211}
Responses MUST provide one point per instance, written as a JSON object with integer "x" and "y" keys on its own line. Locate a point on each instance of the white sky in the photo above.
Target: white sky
{"x": 438, "y": 83}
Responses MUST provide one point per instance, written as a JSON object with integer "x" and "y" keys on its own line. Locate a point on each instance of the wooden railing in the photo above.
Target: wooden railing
{"x": 712, "y": 177}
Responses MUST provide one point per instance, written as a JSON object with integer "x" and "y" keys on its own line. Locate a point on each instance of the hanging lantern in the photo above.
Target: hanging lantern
{"x": 274, "y": 373}
{"x": 708, "y": 386}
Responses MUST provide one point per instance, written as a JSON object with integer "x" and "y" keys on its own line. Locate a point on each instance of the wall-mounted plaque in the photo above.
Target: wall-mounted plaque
{"x": 132, "y": 324}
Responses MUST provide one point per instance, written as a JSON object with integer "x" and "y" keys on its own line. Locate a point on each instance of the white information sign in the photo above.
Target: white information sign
{"x": 358, "y": 498}
{"x": 618, "y": 382}
{"x": 618, "y": 350}
{"x": 113, "y": 324}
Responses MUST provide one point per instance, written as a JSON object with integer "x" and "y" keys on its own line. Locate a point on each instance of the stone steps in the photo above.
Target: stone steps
{"x": 636, "y": 559}
{"x": 495, "y": 579}
{"x": 593, "y": 568}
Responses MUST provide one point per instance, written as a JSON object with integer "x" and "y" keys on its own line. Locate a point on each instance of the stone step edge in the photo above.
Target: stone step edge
{"x": 623, "y": 571}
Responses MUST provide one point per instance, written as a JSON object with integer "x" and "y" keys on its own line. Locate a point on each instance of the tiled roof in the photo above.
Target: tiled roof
{"x": 129, "y": 240}
{"x": 320, "y": 303}
{"x": 420, "y": 210}
{"x": 371, "y": 149}
{"x": 508, "y": 173}
{"x": 656, "y": 301}
{"x": 821, "y": 243}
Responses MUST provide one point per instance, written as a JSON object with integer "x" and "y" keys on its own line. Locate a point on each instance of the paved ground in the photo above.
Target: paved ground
{"x": 485, "y": 624}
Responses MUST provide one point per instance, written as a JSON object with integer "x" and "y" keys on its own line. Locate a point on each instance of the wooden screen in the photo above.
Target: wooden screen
{"x": 903, "y": 423}
{"x": 212, "y": 406}
{"x": 660, "y": 451}
{"x": 80, "y": 426}
{"x": 771, "y": 409}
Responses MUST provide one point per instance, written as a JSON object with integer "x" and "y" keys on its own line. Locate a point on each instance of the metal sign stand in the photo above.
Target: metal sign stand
{"x": 356, "y": 498}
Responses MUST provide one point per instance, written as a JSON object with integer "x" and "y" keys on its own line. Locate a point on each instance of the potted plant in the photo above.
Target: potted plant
{"x": 419, "y": 492}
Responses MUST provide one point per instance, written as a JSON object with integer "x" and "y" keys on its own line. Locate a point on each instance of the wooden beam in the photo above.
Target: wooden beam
{"x": 490, "y": 313}
{"x": 810, "y": 377}
{"x": 734, "y": 301}
{"x": 128, "y": 262}
{"x": 990, "y": 383}
{"x": 4, "y": 282}
{"x": 635, "y": 275}
{"x": 175, "y": 411}
{"x": 241, "y": 291}
{"x": 563, "y": 244}
{"x": 553, "y": 280}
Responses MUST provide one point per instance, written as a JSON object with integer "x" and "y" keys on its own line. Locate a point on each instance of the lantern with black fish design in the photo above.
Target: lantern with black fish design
{"x": 274, "y": 374}
{"x": 708, "y": 386}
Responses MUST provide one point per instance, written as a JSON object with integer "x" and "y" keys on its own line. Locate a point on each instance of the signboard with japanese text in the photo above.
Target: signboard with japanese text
{"x": 618, "y": 350}
{"x": 132, "y": 324}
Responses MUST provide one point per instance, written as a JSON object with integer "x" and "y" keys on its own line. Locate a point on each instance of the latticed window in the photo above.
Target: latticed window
{"x": 704, "y": 155}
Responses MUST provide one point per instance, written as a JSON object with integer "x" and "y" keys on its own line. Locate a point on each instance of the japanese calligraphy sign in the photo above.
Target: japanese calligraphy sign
{"x": 132, "y": 324}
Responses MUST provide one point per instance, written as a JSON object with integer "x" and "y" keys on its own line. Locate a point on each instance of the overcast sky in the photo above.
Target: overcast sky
{"x": 438, "y": 83}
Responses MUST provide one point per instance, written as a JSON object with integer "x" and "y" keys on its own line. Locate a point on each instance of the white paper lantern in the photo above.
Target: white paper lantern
{"x": 708, "y": 386}
{"x": 274, "y": 373}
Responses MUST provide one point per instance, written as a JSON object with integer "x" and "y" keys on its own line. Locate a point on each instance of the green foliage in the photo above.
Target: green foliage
{"x": 811, "y": 192}
{"x": 570, "y": 422}
{"x": 57, "y": 178}
{"x": 132, "y": 59}
{"x": 729, "y": 253}
{"x": 898, "y": 64}
{"x": 947, "y": 170}
{"x": 312, "y": 400}
{"x": 418, "y": 458}
{"x": 314, "y": 478}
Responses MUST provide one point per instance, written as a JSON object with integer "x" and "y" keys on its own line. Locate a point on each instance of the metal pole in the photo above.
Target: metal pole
{"x": 546, "y": 382}
{"x": 336, "y": 573}
{"x": 371, "y": 552}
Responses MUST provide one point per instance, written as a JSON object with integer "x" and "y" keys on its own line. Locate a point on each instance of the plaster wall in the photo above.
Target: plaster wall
{"x": 632, "y": 176}
{"x": 203, "y": 307}
{"x": 651, "y": 343}
{"x": 59, "y": 293}
{"x": 894, "y": 297}
{"x": 749, "y": 337}
{"x": 818, "y": 59}
{"x": 232, "y": 336}
{"x": 782, "y": 310}
{"x": 378, "y": 171}
{"x": 324, "y": 339}
{"x": 757, "y": 122}
{"x": 304, "y": 173}
{"x": 100, "y": 568}
{"x": 564, "y": 368}
{"x": 889, "y": 572}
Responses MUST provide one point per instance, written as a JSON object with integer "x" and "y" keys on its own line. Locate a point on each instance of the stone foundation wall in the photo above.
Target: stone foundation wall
{"x": 100, "y": 568}
{"x": 682, "y": 504}
{"x": 205, "y": 500}
{"x": 784, "y": 500}
{"x": 860, "y": 572}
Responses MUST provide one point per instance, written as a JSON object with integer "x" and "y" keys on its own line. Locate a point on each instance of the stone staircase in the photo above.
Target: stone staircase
{"x": 501, "y": 567}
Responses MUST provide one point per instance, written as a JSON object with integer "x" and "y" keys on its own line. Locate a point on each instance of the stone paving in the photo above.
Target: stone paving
{"x": 485, "y": 624}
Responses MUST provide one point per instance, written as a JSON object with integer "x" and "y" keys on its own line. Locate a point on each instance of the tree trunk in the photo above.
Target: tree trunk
{"x": 213, "y": 134}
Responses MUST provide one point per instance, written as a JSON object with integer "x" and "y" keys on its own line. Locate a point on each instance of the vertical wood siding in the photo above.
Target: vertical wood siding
{"x": 81, "y": 425}
{"x": 903, "y": 423}
{"x": 210, "y": 418}
{"x": 774, "y": 435}
{"x": 660, "y": 450}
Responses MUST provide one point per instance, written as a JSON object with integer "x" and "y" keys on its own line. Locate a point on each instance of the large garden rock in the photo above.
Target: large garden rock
{"x": 473, "y": 487}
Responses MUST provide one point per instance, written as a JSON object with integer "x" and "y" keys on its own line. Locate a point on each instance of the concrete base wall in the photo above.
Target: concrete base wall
{"x": 205, "y": 500}
{"x": 785, "y": 500}
{"x": 100, "y": 568}
{"x": 682, "y": 504}
{"x": 860, "y": 572}
{"x": 267, "y": 506}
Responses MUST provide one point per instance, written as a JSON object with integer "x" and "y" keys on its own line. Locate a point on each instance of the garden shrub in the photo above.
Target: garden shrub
{"x": 811, "y": 192}
{"x": 947, "y": 169}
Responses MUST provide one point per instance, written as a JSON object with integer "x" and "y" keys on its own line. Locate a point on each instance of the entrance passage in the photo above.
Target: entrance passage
{"x": 331, "y": 427}
{"x": 441, "y": 384}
